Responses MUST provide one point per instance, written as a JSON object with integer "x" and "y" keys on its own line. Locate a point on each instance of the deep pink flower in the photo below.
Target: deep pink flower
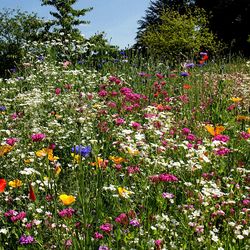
{"x": 246, "y": 202}
{"x": 222, "y": 151}
{"x": 136, "y": 125}
{"x": 11, "y": 141}
{"x": 37, "y": 137}
{"x": 186, "y": 131}
{"x": 107, "y": 227}
{"x": 98, "y": 235}
{"x": 119, "y": 121}
{"x": 223, "y": 138}
{"x": 122, "y": 219}
{"x": 57, "y": 91}
{"x": 167, "y": 178}
{"x": 245, "y": 135}
{"x": 103, "y": 93}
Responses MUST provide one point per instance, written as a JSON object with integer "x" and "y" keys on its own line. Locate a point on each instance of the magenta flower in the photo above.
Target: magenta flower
{"x": 67, "y": 212}
{"x": 57, "y": 91}
{"x": 167, "y": 178}
{"x": 107, "y": 227}
{"x": 222, "y": 151}
{"x": 136, "y": 125}
{"x": 37, "y": 137}
{"x": 119, "y": 121}
{"x": 186, "y": 131}
{"x": 103, "y": 93}
{"x": 122, "y": 219}
{"x": 98, "y": 236}
{"x": 246, "y": 202}
{"x": 245, "y": 135}
{"x": 222, "y": 138}
{"x": 11, "y": 141}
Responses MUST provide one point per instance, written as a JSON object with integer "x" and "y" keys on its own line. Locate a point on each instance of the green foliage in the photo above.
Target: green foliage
{"x": 179, "y": 34}
{"x": 16, "y": 28}
{"x": 66, "y": 18}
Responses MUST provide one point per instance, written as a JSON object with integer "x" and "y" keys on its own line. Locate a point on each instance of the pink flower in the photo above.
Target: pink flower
{"x": 122, "y": 219}
{"x": 186, "y": 131}
{"x": 136, "y": 125}
{"x": 98, "y": 236}
{"x": 103, "y": 93}
{"x": 11, "y": 141}
{"x": 222, "y": 151}
{"x": 57, "y": 91}
{"x": 246, "y": 202}
{"x": 168, "y": 178}
{"x": 223, "y": 138}
{"x": 107, "y": 227}
{"x": 37, "y": 137}
{"x": 168, "y": 195}
{"x": 245, "y": 135}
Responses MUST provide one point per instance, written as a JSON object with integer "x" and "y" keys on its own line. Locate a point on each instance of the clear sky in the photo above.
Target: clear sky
{"x": 117, "y": 18}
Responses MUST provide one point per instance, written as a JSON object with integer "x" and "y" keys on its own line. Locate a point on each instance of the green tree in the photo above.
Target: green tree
{"x": 229, "y": 20}
{"x": 179, "y": 34}
{"x": 66, "y": 18}
{"x": 16, "y": 29}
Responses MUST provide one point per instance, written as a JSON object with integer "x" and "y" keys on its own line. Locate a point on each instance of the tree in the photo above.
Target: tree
{"x": 153, "y": 14}
{"x": 179, "y": 34}
{"x": 66, "y": 18}
{"x": 16, "y": 29}
{"x": 229, "y": 19}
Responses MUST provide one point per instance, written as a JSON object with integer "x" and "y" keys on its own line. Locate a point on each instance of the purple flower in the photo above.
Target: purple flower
{"x": 184, "y": 74}
{"x": 134, "y": 223}
{"x": 168, "y": 195}
{"x": 2, "y": 108}
{"x": 103, "y": 248}
{"x": 25, "y": 240}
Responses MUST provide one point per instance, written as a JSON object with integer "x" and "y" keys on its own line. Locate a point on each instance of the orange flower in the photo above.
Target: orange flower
{"x": 5, "y": 149}
{"x": 116, "y": 159}
{"x": 3, "y": 184}
{"x": 187, "y": 86}
{"x": 214, "y": 130}
{"x": 242, "y": 118}
{"x": 67, "y": 199}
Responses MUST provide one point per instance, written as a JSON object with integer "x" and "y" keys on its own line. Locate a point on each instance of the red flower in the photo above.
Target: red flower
{"x": 3, "y": 184}
{"x": 32, "y": 195}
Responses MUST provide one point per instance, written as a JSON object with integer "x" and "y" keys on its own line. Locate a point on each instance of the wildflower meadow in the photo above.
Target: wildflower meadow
{"x": 136, "y": 155}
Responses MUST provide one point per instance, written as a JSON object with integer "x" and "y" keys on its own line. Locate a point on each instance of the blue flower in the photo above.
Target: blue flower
{"x": 2, "y": 108}
{"x": 184, "y": 74}
{"x": 80, "y": 150}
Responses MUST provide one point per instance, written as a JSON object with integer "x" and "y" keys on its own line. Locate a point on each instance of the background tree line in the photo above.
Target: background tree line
{"x": 170, "y": 28}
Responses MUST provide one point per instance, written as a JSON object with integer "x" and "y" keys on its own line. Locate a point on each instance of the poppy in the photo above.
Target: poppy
{"x": 3, "y": 184}
{"x": 217, "y": 130}
{"x": 67, "y": 199}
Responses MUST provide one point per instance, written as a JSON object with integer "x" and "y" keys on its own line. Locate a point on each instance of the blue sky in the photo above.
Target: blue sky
{"x": 117, "y": 18}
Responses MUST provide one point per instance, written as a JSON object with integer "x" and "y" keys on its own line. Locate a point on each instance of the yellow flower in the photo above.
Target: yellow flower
{"x": 16, "y": 183}
{"x": 41, "y": 153}
{"x": 248, "y": 131}
{"x": 67, "y": 199}
{"x": 47, "y": 151}
{"x": 132, "y": 151}
{"x": 5, "y": 149}
{"x": 124, "y": 192}
{"x": 242, "y": 118}
{"x": 117, "y": 159}
{"x": 28, "y": 161}
{"x": 236, "y": 99}
{"x": 76, "y": 158}
{"x": 58, "y": 169}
